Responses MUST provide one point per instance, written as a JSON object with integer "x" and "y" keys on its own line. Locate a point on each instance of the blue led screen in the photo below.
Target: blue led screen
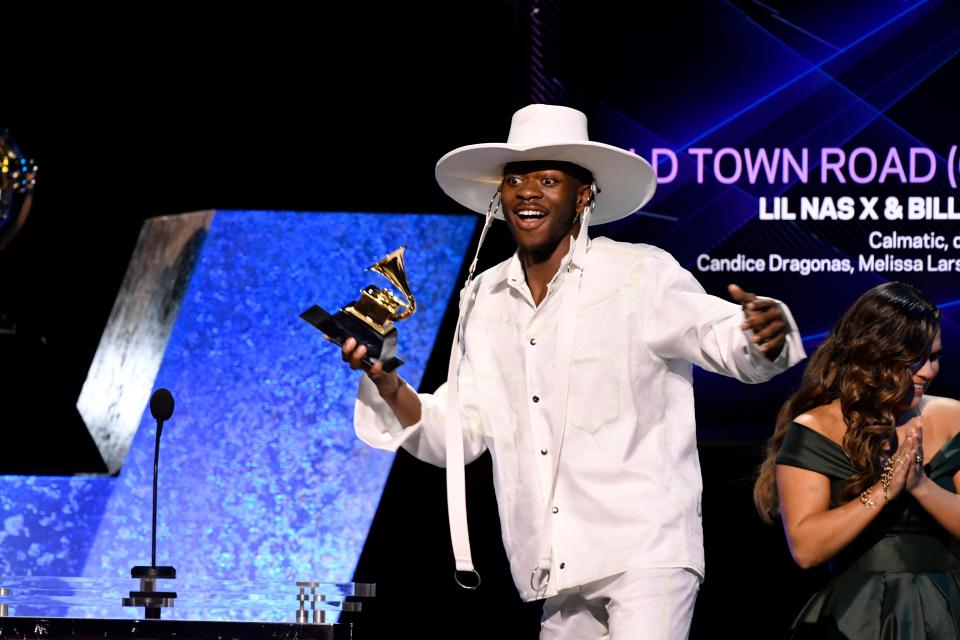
{"x": 261, "y": 476}
{"x": 718, "y": 94}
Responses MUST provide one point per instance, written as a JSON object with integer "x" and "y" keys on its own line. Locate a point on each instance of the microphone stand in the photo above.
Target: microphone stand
{"x": 161, "y": 407}
{"x": 156, "y": 464}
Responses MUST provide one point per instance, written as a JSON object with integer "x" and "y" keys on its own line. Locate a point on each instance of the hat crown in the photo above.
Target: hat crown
{"x": 544, "y": 124}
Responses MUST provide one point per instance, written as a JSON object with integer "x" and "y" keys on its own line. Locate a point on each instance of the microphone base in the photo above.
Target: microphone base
{"x": 154, "y": 573}
{"x": 148, "y": 597}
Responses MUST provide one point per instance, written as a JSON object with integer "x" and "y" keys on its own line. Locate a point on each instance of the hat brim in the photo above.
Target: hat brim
{"x": 471, "y": 175}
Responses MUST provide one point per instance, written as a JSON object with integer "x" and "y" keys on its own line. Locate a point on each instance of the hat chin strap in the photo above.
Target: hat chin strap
{"x": 465, "y": 575}
{"x": 585, "y": 220}
{"x": 492, "y": 209}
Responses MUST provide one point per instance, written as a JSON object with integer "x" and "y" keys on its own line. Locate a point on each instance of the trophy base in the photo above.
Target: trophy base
{"x": 340, "y": 326}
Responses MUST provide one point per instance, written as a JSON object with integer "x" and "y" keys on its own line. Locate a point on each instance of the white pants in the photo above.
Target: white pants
{"x": 650, "y": 604}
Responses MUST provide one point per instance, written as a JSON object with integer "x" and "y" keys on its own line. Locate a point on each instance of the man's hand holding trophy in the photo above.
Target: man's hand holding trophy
{"x": 370, "y": 320}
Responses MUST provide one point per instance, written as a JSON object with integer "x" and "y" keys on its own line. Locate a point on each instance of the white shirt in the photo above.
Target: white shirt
{"x": 629, "y": 487}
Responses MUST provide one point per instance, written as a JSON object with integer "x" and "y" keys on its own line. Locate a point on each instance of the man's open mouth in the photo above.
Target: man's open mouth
{"x": 529, "y": 214}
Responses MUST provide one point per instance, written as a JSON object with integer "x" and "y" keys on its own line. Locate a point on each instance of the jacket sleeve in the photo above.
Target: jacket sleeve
{"x": 376, "y": 425}
{"x": 683, "y": 321}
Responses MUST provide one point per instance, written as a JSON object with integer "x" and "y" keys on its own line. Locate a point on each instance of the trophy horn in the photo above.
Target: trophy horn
{"x": 391, "y": 267}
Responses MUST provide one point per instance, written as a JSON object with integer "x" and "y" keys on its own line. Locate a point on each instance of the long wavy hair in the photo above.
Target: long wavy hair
{"x": 867, "y": 361}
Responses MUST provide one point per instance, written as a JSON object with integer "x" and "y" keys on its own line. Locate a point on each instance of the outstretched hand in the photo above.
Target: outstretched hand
{"x": 764, "y": 318}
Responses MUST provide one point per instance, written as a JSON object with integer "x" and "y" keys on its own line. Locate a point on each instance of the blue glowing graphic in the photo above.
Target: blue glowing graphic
{"x": 815, "y": 80}
{"x": 261, "y": 475}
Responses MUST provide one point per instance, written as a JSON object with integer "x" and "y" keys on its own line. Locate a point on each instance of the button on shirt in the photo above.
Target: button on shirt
{"x": 628, "y": 490}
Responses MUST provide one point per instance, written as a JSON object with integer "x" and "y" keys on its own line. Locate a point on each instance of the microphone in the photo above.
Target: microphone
{"x": 161, "y": 408}
{"x": 161, "y": 405}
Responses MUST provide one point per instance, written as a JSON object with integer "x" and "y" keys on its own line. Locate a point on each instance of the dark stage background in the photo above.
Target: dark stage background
{"x": 349, "y": 110}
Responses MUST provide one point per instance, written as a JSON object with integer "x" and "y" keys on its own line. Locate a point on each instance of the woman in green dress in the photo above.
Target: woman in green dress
{"x": 864, "y": 471}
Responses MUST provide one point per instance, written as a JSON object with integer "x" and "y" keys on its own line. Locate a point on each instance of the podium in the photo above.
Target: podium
{"x": 70, "y": 607}
{"x": 34, "y": 628}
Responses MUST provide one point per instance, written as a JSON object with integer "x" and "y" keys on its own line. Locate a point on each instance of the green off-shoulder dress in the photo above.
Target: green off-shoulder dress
{"x": 900, "y": 579}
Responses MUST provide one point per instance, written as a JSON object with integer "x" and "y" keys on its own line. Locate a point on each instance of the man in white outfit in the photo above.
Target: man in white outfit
{"x": 572, "y": 365}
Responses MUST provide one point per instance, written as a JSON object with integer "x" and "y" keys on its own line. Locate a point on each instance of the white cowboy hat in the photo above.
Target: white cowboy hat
{"x": 471, "y": 175}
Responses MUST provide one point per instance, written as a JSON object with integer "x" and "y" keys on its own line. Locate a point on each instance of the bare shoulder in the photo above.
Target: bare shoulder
{"x": 943, "y": 413}
{"x": 827, "y": 420}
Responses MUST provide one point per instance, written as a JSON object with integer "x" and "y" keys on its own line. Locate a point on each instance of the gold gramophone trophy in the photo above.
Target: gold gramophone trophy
{"x": 370, "y": 319}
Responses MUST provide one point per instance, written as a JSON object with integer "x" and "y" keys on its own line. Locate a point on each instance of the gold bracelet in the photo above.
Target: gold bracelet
{"x": 886, "y": 476}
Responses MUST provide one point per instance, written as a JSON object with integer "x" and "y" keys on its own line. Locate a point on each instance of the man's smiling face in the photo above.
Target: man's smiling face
{"x": 541, "y": 203}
